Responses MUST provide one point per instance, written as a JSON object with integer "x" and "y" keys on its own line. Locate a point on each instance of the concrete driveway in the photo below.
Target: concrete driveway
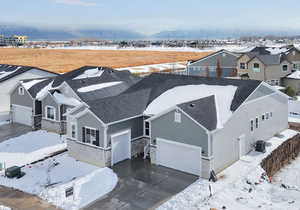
{"x": 142, "y": 186}
{"x": 13, "y": 130}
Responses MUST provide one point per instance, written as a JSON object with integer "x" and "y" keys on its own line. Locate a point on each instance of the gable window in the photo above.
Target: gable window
{"x": 256, "y": 122}
{"x": 21, "y": 91}
{"x": 242, "y": 66}
{"x": 90, "y": 135}
{"x": 50, "y": 112}
{"x": 147, "y": 128}
{"x": 251, "y": 125}
{"x": 177, "y": 117}
{"x": 73, "y": 131}
{"x": 285, "y": 68}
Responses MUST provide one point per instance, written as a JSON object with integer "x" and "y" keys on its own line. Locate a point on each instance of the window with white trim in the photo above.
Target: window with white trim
{"x": 251, "y": 125}
{"x": 73, "y": 130}
{"x": 263, "y": 117}
{"x": 177, "y": 117}
{"x": 147, "y": 128}
{"x": 50, "y": 112}
{"x": 267, "y": 115}
{"x": 21, "y": 91}
{"x": 256, "y": 67}
{"x": 90, "y": 136}
{"x": 271, "y": 114}
{"x": 256, "y": 122}
{"x": 285, "y": 67}
{"x": 242, "y": 66}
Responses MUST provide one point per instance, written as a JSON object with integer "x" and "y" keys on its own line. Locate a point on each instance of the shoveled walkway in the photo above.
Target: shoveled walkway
{"x": 142, "y": 186}
{"x": 13, "y": 130}
{"x": 18, "y": 200}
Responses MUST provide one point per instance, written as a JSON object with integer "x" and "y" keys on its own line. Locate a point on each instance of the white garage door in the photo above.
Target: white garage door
{"x": 179, "y": 156}
{"x": 120, "y": 146}
{"x": 22, "y": 114}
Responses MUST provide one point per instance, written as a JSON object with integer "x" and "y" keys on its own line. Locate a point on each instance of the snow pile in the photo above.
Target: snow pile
{"x": 28, "y": 85}
{"x": 50, "y": 178}
{"x": 98, "y": 86}
{"x": 294, "y": 75}
{"x": 4, "y": 122}
{"x": 277, "y": 50}
{"x": 30, "y": 147}
{"x": 61, "y": 99}
{"x": 244, "y": 186}
{"x": 43, "y": 92}
{"x": 4, "y": 208}
{"x": 182, "y": 94}
{"x": 90, "y": 73}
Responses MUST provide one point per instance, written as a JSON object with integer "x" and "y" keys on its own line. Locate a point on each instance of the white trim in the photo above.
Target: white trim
{"x": 129, "y": 143}
{"x": 86, "y": 144}
{"x": 179, "y": 144}
{"x": 144, "y": 129}
{"x": 87, "y": 110}
{"x": 21, "y": 90}
{"x": 94, "y": 129}
{"x": 46, "y": 113}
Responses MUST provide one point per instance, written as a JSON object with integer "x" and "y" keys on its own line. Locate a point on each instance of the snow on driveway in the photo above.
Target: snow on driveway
{"x": 242, "y": 186}
{"x": 30, "y": 147}
{"x": 50, "y": 178}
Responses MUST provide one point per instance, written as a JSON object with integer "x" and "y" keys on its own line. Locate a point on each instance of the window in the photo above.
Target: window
{"x": 263, "y": 117}
{"x": 177, "y": 117}
{"x": 21, "y": 91}
{"x": 256, "y": 67}
{"x": 285, "y": 68}
{"x": 50, "y": 113}
{"x": 251, "y": 125}
{"x": 267, "y": 116}
{"x": 256, "y": 122}
{"x": 242, "y": 66}
{"x": 73, "y": 131}
{"x": 271, "y": 114}
{"x": 90, "y": 135}
{"x": 147, "y": 128}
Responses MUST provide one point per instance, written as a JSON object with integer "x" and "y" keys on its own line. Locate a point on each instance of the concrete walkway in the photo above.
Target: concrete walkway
{"x": 18, "y": 200}
{"x": 142, "y": 186}
{"x": 13, "y": 130}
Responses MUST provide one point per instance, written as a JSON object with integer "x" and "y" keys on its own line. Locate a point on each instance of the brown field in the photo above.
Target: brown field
{"x": 67, "y": 60}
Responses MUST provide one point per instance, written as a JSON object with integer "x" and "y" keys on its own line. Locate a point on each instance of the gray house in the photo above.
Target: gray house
{"x": 192, "y": 124}
{"x": 207, "y": 65}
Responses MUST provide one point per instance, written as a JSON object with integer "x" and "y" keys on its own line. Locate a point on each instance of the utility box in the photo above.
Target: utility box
{"x": 260, "y": 146}
{"x": 14, "y": 171}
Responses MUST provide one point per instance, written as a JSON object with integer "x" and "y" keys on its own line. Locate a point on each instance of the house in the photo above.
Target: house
{"x": 189, "y": 123}
{"x": 54, "y": 97}
{"x": 293, "y": 81}
{"x": 10, "y": 75}
{"x": 25, "y": 108}
{"x": 264, "y": 67}
{"x": 207, "y": 65}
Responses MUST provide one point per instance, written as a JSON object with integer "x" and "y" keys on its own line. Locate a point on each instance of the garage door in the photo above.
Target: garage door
{"x": 22, "y": 114}
{"x": 179, "y": 156}
{"x": 121, "y": 146}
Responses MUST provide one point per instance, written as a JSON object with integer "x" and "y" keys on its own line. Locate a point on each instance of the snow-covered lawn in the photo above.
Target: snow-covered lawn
{"x": 242, "y": 186}
{"x": 50, "y": 178}
{"x": 30, "y": 147}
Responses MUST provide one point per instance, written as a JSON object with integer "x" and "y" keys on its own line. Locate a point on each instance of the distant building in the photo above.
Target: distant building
{"x": 14, "y": 40}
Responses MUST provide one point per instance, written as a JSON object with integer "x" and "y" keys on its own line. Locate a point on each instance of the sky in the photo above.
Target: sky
{"x": 152, "y": 16}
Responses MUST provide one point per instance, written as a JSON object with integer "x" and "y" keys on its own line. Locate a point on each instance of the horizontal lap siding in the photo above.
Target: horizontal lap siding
{"x": 22, "y": 100}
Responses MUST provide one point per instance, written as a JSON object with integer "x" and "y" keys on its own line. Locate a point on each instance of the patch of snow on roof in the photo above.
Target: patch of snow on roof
{"x": 44, "y": 91}
{"x": 6, "y": 73}
{"x": 98, "y": 86}
{"x": 61, "y": 99}
{"x": 182, "y": 94}
{"x": 294, "y": 75}
{"x": 28, "y": 85}
{"x": 96, "y": 72}
{"x": 277, "y": 50}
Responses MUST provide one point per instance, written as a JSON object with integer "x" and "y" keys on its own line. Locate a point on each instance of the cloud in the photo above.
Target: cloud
{"x": 76, "y": 2}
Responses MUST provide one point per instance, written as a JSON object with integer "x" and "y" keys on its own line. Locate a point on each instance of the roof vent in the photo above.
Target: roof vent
{"x": 192, "y": 105}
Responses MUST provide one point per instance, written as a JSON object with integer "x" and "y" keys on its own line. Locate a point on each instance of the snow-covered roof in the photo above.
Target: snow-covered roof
{"x": 98, "y": 86}
{"x": 155, "y": 67}
{"x": 294, "y": 75}
{"x": 94, "y": 72}
{"x": 43, "y": 92}
{"x": 62, "y": 99}
{"x": 29, "y": 84}
{"x": 182, "y": 94}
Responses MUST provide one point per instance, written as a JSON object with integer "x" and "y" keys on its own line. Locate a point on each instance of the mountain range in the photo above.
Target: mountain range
{"x": 38, "y": 33}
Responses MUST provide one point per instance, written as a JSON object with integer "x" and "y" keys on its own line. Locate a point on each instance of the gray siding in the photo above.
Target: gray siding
{"x": 135, "y": 124}
{"x": 89, "y": 120}
{"x": 260, "y": 92}
{"x": 49, "y": 101}
{"x": 22, "y": 100}
{"x": 225, "y": 143}
{"x": 187, "y": 132}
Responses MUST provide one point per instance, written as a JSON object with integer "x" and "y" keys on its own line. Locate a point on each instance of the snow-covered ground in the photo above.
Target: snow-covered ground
{"x": 49, "y": 179}
{"x": 30, "y": 147}
{"x": 243, "y": 186}
{"x": 4, "y": 207}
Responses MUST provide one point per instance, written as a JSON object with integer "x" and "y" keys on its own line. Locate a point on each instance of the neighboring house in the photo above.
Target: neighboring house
{"x": 293, "y": 81}
{"x": 71, "y": 89}
{"x": 10, "y": 75}
{"x": 25, "y": 108}
{"x": 207, "y": 66}
{"x": 264, "y": 67}
{"x": 193, "y": 124}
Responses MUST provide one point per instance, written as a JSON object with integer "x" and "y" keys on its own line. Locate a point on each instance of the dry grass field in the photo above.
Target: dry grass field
{"x": 66, "y": 60}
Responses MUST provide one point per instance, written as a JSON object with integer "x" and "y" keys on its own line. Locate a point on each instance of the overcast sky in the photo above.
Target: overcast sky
{"x": 150, "y": 16}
